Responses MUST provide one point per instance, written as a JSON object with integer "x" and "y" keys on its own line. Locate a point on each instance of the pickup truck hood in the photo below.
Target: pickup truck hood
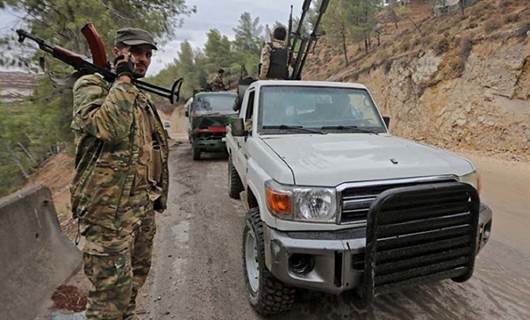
{"x": 332, "y": 159}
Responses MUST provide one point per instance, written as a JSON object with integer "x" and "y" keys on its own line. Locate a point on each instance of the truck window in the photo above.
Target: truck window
{"x": 250, "y": 105}
{"x": 325, "y": 108}
{"x": 214, "y": 103}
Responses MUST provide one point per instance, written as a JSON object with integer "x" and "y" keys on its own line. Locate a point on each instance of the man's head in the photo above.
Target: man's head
{"x": 139, "y": 44}
{"x": 220, "y": 72}
{"x": 279, "y": 33}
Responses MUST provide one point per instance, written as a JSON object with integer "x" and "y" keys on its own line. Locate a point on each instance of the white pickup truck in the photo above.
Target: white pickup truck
{"x": 335, "y": 202}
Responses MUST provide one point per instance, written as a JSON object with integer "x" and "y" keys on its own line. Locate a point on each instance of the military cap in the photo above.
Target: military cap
{"x": 135, "y": 37}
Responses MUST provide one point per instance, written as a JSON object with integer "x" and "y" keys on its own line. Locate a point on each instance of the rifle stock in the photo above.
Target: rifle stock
{"x": 80, "y": 64}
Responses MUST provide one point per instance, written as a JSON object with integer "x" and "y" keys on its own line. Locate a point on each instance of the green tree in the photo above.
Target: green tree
{"x": 218, "y": 51}
{"x": 61, "y": 20}
{"x": 360, "y": 17}
{"x": 247, "y": 43}
{"x": 248, "y": 34}
{"x": 335, "y": 25}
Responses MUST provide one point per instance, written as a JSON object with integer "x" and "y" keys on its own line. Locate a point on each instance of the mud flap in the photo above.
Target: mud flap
{"x": 420, "y": 234}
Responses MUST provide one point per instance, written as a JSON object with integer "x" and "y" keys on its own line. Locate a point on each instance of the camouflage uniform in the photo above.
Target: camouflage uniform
{"x": 113, "y": 192}
{"x": 266, "y": 57}
{"x": 218, "y": 84}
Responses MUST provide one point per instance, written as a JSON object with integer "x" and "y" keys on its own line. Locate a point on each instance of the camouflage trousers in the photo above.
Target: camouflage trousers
{"x": 117, "y": 264}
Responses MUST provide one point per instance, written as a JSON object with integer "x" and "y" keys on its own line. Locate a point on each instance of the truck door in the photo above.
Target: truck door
{"x": 240, "y": 161}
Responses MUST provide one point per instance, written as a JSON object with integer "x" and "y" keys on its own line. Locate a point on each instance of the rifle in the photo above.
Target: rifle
{"x": 297, "y": 35}
{"x": 289, "y": 33}
{"x": 100, "y": 64}
{"x": 306, "y": 41}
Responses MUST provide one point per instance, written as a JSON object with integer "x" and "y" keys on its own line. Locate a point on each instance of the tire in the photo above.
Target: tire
{"x": 196, "y": 153}
{"x": 234, "y": 182}
{"x": 267, "y": 295}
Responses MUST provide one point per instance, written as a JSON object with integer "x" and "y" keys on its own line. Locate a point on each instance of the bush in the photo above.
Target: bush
{"x": 32, "y": 131}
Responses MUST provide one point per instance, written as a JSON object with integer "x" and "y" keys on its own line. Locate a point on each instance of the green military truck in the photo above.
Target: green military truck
{"x": 209, "y": 113}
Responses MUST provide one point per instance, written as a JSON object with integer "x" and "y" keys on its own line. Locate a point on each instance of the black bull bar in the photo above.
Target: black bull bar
{"x": 419, "y": 234}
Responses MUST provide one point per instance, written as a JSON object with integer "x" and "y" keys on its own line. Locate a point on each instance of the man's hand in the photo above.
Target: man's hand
{"x": 124, "y": 66}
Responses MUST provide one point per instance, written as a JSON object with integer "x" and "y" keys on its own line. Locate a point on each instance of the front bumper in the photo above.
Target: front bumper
{"x": 213, "y": 145}
{"x": 336, "y": 257}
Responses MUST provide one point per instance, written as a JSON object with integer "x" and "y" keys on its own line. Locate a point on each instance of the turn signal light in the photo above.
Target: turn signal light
{"x": 279, "y": 203}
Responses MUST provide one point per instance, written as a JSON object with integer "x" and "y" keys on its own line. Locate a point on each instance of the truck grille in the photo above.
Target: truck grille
{"x": 356, "y": 201}
{"x": 421, "y": 233}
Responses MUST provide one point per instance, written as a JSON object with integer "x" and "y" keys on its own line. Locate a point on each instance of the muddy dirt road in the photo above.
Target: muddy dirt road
{"x": 197, "y": 271}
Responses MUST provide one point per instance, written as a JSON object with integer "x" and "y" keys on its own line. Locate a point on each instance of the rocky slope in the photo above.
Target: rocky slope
{"x": 458, "y": 82}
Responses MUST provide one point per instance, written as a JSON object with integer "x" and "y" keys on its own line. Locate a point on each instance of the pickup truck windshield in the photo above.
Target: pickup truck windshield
{"x": 214, "y": 103}
{"x": 337, "y": 110}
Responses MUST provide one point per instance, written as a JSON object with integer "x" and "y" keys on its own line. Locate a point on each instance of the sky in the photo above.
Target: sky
{"x": 222, "y": 15}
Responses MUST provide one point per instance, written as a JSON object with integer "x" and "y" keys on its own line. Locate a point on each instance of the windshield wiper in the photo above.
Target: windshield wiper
{"x": 356, "y": 128}
{"x": 296, "y": 128}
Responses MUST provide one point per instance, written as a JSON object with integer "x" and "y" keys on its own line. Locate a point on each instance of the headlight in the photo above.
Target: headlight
{"x": 315, "y": 204}
{"x": 301, "y": 203}
{"x": 472, "y": 178}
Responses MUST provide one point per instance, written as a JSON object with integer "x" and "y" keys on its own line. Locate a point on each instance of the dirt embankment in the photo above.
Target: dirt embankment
{"x": 462, "y": 83}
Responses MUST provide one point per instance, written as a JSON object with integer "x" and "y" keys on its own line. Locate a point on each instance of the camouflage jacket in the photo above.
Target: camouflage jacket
{"x": 266, "y": 57}
{"x": 113, "y": 142}
{"x": 217, "y": 84}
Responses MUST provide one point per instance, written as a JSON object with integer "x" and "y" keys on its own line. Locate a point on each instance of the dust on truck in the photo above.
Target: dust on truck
{"x": 336, "y": 203}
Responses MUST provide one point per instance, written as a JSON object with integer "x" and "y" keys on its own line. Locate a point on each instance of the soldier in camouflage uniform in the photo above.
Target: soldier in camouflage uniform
{"x": 121, "y": 177}
{"x": 274, "y": 62}
{"x": 218, "y": 83}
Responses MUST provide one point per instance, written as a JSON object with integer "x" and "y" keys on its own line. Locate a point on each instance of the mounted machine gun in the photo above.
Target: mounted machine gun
{"x": 300, "y": 44}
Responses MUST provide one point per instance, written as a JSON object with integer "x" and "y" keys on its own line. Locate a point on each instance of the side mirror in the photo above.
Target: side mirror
{"x": 387, "y": 121}
{"x": 187, "y": 114}
{"x": 237, "y": 127}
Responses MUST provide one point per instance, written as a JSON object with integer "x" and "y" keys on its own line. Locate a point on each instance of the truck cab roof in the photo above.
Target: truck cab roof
{"x": 303, "y": 83}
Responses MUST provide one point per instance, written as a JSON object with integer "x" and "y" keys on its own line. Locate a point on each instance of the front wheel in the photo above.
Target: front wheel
{"x": 267, "y": 295}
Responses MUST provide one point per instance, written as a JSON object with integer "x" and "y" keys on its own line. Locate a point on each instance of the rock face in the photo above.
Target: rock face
{"x": 487, "y": 108}
{"x": 474, "y": 95}
{"x": 14, "y": 86}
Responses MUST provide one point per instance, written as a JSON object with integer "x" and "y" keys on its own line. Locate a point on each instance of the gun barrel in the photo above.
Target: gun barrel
{"x": 43, "y": 45}
{"x": 307, "y": 43}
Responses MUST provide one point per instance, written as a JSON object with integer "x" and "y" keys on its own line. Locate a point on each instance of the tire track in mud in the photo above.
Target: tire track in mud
{"x": 197, "y": 271}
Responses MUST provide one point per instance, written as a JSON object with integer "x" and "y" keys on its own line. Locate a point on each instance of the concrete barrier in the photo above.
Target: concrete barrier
{"x": 35, "y": 257}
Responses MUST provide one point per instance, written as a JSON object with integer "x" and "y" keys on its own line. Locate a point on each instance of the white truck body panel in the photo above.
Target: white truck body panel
{"x": 353, "y": 157}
